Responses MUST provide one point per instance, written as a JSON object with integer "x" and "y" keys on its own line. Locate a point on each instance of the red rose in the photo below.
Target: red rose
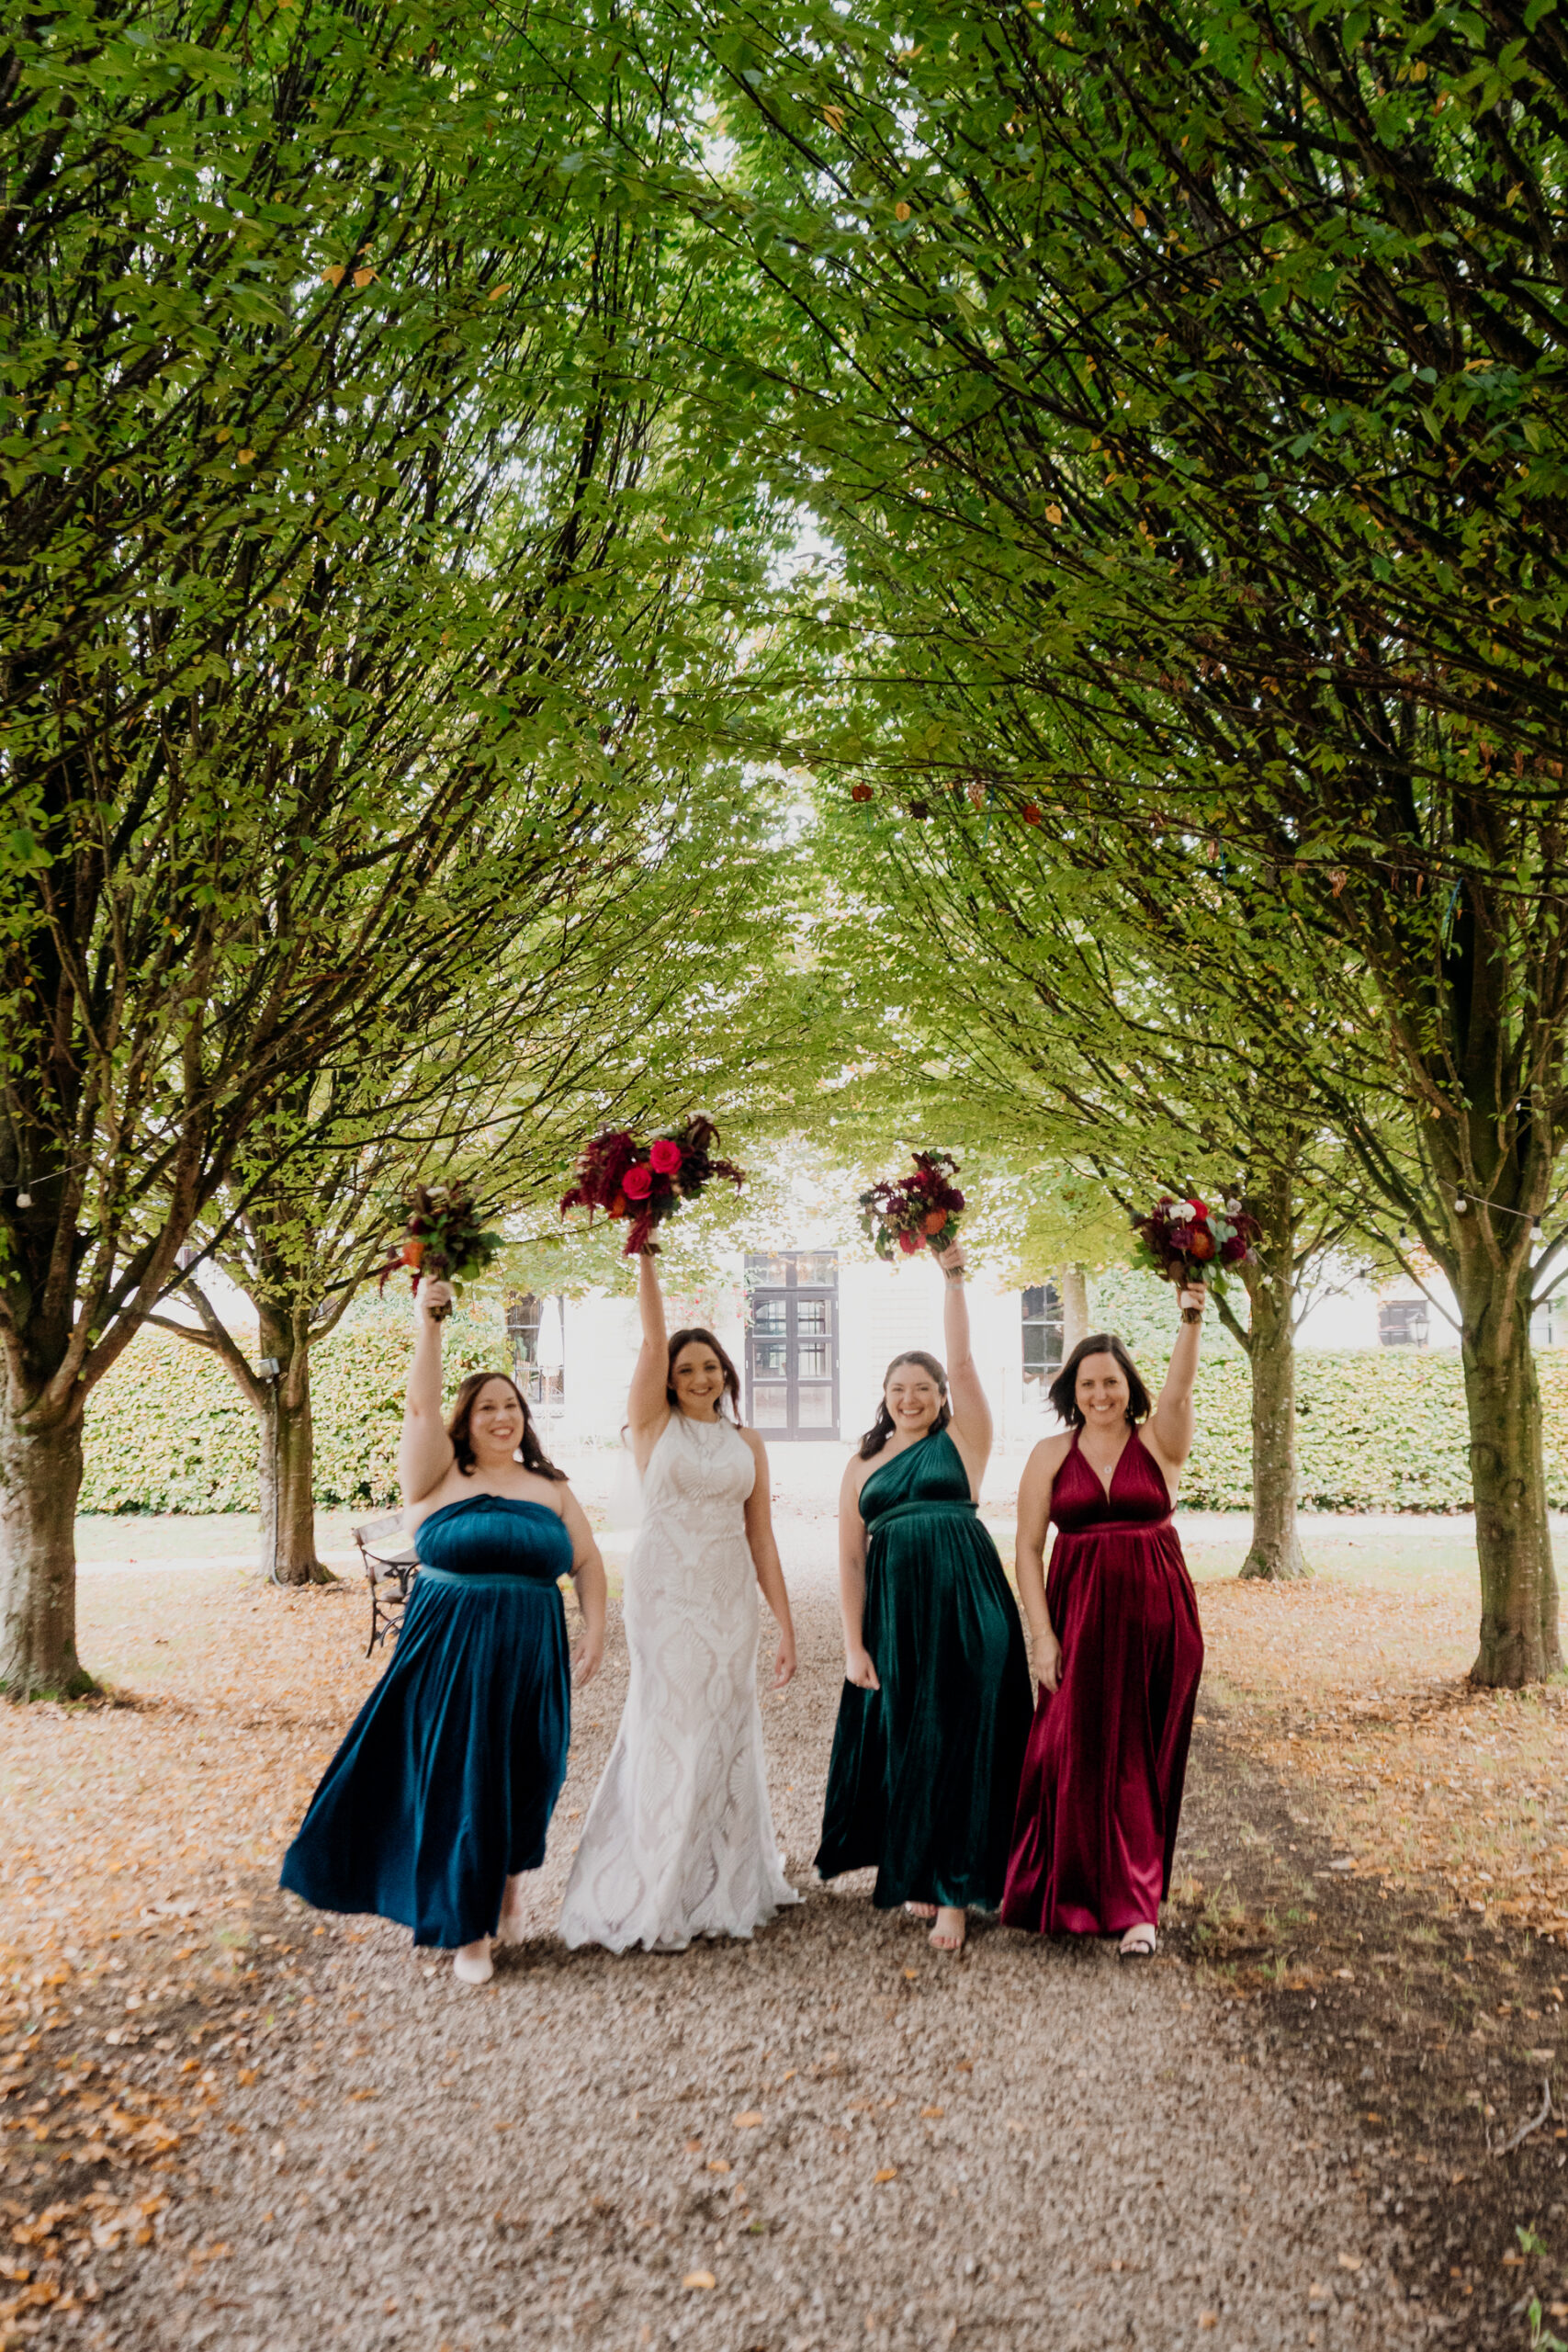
{"x": 860, "y": 792}
{"x": 637, "y": 1182}
{"x": 664, "y": 1157}
{"x": 910, "y": 1242}
{"x": 1233, "y": 1251}
{"x": 1199, "y": 1208}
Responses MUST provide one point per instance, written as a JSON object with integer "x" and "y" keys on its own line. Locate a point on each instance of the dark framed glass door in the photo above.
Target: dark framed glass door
{"x": 792, "y": 1344}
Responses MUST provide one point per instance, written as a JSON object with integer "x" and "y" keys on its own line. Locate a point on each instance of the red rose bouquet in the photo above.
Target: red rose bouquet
{"x": 1189, "y": 1243}
{"x": 915, "y": 1213}
{"x": 443, "y": 1237}
{"x": 647, "y": 1182}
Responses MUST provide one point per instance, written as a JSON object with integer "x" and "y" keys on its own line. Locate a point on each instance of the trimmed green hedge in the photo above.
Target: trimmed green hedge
{"x": 1375, "y": 1432}
{"x": 168, "y": 1430}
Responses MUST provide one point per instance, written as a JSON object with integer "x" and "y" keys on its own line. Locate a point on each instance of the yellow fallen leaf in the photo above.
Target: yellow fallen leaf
{"x": 911, "y": 1974}
{"x": 1208, "y": 2319}
{"x": 933, "y": 2112}
{"x": 335, "y": 275}
{"x": 900, "y": 211}
{"x": 247, "y": 2075}
{"x": 497, "y": 291}
{"x": 1053, "y": 514}
{"x": 749, "y": 2122}
{"x": 364, "y": 2094}
{"x": 888, "y": 2172}
{"x": 1349, "y": 2261}
{"x": 718, "y": 2164}
{"x": 363, "y": 277}
{"x": 699, "y": 2278}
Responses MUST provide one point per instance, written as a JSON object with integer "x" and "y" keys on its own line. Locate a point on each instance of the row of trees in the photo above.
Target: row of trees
{"x": 1180, "y": 391}
{"x": 364, "y": 591}
{"x": 408, "y": 410}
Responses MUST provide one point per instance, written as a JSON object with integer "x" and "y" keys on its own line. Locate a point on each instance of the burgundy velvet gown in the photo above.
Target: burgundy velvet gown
{"x": 1095, "y": 1828}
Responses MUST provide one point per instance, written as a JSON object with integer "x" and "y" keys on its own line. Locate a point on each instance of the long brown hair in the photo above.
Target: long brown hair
{"x": 1064, "y": 1390}
{"x": 881, "y": 1428}
{"x": 704, "y": 1338}
{"x": 534, "y": 1455}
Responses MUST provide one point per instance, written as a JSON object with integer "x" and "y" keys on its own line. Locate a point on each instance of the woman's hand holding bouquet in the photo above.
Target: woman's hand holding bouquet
{"x": 443, "y": 1243}
{"x": 1194, "y": 1246}
{"x": 648, "y": 1182}
{"x": 914, "y": 1213}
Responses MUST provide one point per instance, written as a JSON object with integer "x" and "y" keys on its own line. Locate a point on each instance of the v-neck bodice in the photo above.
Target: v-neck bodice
{"x": 1138, "y": 1495}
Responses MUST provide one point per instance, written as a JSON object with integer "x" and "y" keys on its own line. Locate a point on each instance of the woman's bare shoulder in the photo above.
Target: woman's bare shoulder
{"x": 856, "y": 1471}
{"x": 1047, "y": 1457}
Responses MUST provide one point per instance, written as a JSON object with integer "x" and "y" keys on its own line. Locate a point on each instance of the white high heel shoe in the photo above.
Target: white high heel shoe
{"x": 473, "y": 1964}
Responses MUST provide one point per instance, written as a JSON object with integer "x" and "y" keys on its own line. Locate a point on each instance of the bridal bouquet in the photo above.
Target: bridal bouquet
{"x": 444, "y": 1238}
{"x": 914, "y": 1213}
{"x": 648, "y": 1182}
{"x": 1189, "y": 1243}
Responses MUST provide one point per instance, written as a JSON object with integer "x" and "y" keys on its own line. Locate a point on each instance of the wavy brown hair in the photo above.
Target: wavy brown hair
{"x": 881, "y": 1428}
{"x": 534, "y": 1455}
{"x": 1064, "y": 1390}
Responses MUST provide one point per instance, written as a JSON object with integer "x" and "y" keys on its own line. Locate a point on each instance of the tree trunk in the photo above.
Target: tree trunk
{"x": 1513, "y": 1534}
{"x": 1276, "y": 1549}
{"x": 288, "y": 1456}
{"x": 40, "y": 1477}
{"x": 1073, "y": 1282}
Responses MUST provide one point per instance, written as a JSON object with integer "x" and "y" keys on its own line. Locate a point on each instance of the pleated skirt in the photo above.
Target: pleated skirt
{"x": 924, "y": 1772}
{"x": 447, "y": 1778}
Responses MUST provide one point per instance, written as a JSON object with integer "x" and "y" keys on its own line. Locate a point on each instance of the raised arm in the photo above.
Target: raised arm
{"x": 647, "y": 1402}
{"x": 858, "y": 1666}
{"x": 765, "y": 1559}
{"x": 589, "y": 1583}
{"x": 971, "y": 1414}
{"x": 1033, "y": 1522}
{"x": 424, "y": 1451}
{"x": 1171, "y": 1423}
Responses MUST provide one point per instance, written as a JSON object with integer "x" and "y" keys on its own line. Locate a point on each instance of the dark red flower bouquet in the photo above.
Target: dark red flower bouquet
{"x": 648, "y": 1182}
{"x": 443, "y": 1237}
{"x": 1189, "y": 1243}
{"x": 915, "y": 1213}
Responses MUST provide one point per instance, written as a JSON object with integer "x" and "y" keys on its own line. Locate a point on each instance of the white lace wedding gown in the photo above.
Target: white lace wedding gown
{"x": 679, "y": 1840}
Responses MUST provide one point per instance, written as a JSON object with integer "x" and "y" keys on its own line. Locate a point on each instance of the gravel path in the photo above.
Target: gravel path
{"x": 831, "y": 2137}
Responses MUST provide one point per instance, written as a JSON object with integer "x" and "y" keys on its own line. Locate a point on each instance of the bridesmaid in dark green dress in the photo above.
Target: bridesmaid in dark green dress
{"x": 937, "y": 1702}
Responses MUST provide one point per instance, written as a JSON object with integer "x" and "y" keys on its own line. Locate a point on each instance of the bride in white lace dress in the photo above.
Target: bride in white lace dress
{"x": 679, "y": 1840}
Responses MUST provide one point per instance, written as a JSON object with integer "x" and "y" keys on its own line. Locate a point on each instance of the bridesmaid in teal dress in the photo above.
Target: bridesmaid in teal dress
{"x": 441, "y": 1794}
{"x": 936, "y": 1708}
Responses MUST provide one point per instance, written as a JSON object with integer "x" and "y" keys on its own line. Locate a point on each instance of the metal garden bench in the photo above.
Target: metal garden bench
{"x": 391, "y": 1567}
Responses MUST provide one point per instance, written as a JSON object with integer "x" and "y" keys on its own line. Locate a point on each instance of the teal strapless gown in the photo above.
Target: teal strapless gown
{"x": 447, "y": 1778}
{"x": 924, "y": 1773}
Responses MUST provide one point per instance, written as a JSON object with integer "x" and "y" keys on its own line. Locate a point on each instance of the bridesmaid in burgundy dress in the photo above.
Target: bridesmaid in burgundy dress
{"x": 1117, "y": 1649}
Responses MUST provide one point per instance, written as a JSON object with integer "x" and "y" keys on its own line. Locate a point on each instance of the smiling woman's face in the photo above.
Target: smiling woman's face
{"x": 913, "y": 1399}
{"x": 1101, "y": 1392}
{"x": 698, "y": 1377}
{"x": 495, "y": 1422}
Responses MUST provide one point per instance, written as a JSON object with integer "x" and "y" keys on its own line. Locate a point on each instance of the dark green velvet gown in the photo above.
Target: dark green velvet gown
{"x": 924, "y": 1772}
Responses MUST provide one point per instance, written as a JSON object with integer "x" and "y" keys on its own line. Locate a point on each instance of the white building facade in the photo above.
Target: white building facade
{"x": 812, "y": 1329}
